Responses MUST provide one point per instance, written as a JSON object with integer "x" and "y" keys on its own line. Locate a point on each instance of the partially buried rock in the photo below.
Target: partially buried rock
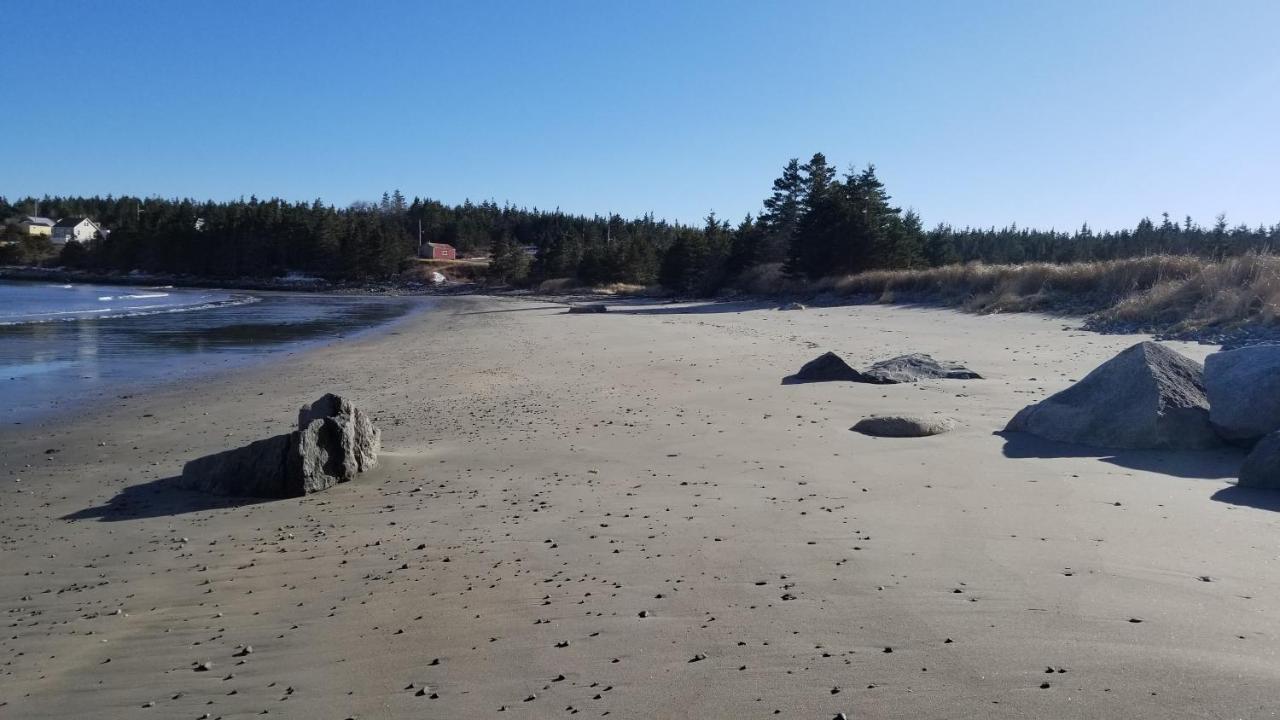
{"x": 917, "y": 366}
{"x": 1261, "y": 468}
{"x": 903, "y": 426}
{"x": 593, "y": 308}
{"x": 793, "y": 306}
{"x": 335, "y": 441}
{"x": 1243, "y": 387}
{"x": 826, "y": 368}
{"x": 1146, "y": 397}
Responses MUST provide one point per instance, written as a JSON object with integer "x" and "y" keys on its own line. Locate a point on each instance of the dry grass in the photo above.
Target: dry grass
{"x": 627, "y": 290}
{"x": 556, "y": 285}
{"x": 1159, "y": 292}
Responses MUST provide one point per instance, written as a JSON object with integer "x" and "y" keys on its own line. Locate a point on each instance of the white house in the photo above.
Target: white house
{"x": 75, "y": 229}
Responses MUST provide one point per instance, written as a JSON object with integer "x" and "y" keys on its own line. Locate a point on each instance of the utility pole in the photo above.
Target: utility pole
{"x": 419, "y": 237}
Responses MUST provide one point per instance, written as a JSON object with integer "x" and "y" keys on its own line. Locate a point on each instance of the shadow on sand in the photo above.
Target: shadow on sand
{"x": 158, "y": 498}
{"x": 1249, "y": 497}
{"x": 1214, "y": 464}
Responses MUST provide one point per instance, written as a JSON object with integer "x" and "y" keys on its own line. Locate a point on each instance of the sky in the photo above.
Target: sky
{"x": 982, "y": 112}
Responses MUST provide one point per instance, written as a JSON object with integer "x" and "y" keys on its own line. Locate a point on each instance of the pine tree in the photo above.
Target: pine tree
{"x": 781, "y": 215}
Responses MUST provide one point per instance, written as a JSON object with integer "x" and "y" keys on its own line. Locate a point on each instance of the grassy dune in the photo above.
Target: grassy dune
{"x": 1165, "y": 293}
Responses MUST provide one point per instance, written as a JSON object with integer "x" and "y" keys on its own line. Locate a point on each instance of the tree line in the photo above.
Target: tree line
{"x": 815, "y": 222}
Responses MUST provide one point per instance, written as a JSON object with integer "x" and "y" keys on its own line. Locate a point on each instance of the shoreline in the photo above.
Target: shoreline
{"x": 110, "y": 374}
{"x": 548, "y": 477}
{"x": 1229, "y": 336}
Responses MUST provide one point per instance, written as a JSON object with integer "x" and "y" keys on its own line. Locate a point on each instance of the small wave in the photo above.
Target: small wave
{"x": 109, "y": 298}
{"x": 141, "y": 296}
{"x": 135, "y": 311}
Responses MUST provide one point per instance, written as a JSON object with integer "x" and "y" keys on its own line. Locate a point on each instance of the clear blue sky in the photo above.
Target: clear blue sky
{"x": 1036, "y": 112}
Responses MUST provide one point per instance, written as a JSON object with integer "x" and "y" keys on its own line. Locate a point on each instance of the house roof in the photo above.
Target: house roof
{"x": 440, "y": 245}
{"x": 74, "y": 221}
{"x": 37, "y": 220}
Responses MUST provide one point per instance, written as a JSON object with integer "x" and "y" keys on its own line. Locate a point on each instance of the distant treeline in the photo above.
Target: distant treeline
{"x": 814, "y": 223}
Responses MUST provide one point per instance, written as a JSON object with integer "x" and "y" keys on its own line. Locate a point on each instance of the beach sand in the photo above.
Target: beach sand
{"x": 547, "y": 479}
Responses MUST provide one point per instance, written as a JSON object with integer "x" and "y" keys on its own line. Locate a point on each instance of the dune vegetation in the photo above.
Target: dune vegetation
{"x": 1163, "y": 293}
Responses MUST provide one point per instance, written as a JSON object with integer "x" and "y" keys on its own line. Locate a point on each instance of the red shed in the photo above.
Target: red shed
{"x": 438, "y": 251}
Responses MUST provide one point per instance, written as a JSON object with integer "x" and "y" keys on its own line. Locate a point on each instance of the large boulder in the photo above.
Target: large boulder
{"x": 1243, "y": 387}
{"x": 1261, "y": 468}
{"x": 1146, "y": 397}
{"x": 824, "y": 368}
{"x": 903, "y": 426}
{"x": 357, "y": 439}
{"x": 335, "y": 441}
{"x": 914, "y": 367}
{"x": 255, "y": 470}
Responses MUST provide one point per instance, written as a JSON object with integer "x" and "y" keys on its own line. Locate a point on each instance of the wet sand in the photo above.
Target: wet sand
{"x": 628, "y": 515}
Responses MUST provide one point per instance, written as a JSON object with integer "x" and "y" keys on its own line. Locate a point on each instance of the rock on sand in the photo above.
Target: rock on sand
{"x": 1243, "y": 387}
{"x": 334, "y": 442}
{"x": 1261, "y": 469}
{"x": 1148, "y": 396}
{"x": 917, "y": 366}
{"x": 827, "y": 367}
{"x": 903, "y": 426}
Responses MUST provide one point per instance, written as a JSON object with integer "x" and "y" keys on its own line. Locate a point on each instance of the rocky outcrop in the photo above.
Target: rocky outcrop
{"x": 334, "y": 442}
{"x": 1261, "y": 468}
{"x": 594, "y": 308}
{"x": 1243, "y": 387}
{"x": 903, "y": 426}
{"x": 1146, "y": 397}
{"x": 825, "y": 368}
{"x": 915, "y": 367}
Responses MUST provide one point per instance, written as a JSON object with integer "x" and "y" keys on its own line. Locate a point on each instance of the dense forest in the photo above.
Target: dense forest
{"x": 815, "y": 222}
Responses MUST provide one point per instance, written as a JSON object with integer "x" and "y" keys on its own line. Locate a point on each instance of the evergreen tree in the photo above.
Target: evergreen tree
{"x": 781, "y": 216}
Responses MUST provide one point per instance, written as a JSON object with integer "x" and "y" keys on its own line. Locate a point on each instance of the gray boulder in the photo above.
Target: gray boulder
{"x": 335, "y": 441}
{"x": 825, "y": 368}
{"x": 1243, "y": 387}
{"x": 255, "y": 470}
{"x": 914, "y": 367}
{"x": 903, "y": 426}
{"x": 356, "y": 438}
{"x": 1261, "y": 468}
{"x": 1146, "y": 397}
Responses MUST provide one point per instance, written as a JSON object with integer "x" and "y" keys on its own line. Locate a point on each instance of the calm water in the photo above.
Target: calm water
{"x": 65, "y": 344}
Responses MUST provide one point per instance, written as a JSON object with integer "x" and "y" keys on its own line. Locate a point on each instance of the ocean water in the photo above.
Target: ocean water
{"x": 64, "y": 345}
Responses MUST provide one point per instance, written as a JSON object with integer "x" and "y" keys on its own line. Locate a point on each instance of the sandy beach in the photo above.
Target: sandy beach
{"x": 629, "y": 515}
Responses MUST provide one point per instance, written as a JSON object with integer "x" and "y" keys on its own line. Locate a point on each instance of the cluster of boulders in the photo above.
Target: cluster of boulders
{"x": 902, "y": 369}
{"x": 1151, "y": 397}
{"x": 910, "y": 368}
{"x": 334, "y": 442}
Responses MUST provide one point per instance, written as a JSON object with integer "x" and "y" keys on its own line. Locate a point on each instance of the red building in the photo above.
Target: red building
{"x": 438, "y": 251}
